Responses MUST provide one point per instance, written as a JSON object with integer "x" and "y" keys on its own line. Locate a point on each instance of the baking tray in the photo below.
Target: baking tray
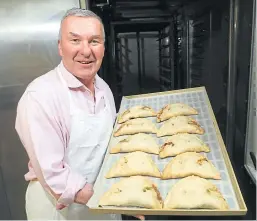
{"x": 228, "y": 185}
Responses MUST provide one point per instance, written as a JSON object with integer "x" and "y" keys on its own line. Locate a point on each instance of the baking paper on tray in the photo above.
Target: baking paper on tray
{"x": 196, "y": 99}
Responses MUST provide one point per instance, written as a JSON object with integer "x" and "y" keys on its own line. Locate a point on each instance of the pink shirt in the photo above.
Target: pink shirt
{"x": 43, "y": 125}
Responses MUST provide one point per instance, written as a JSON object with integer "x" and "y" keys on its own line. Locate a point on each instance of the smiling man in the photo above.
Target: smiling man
{"x": 82, "y": 49}
{"x": 64, "y": 120}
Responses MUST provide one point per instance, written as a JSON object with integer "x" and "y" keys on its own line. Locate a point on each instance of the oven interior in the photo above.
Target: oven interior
{"x": 154, "y": 46}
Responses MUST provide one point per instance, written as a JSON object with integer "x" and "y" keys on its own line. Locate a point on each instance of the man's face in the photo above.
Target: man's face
{"x": 82, "y": 46}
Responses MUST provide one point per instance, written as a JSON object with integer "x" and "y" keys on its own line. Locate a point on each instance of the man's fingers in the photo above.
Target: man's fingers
{"x": 141, "y": 217}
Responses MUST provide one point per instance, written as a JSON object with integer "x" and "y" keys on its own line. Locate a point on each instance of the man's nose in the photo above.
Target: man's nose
{"x": 85, "y": 49}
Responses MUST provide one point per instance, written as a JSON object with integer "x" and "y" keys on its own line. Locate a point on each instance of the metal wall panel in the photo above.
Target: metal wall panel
{"x": 5, "y": 210}
{"x": 28, "y": 49}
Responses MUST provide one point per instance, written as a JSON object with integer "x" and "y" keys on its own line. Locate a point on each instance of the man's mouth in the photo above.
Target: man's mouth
{"x": 85, "y": 62}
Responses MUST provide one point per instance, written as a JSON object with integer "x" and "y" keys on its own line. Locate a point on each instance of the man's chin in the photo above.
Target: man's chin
{"x": 86, "y": 76}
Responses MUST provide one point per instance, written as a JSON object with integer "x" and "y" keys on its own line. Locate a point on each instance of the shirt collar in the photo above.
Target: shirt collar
{"x": 72, "y": 81}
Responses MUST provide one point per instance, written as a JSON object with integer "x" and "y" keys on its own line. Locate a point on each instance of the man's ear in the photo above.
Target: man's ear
{"x": 59, "y": 48}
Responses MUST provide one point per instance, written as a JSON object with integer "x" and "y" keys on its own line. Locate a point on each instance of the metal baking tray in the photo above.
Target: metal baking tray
{"x": 228, "y": 185}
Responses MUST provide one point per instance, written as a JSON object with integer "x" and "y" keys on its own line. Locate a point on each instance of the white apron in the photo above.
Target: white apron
{"x": 88, "y": 142}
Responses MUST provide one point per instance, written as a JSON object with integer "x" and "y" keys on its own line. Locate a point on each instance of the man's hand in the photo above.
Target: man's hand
{"x": 83, "y": 196}
{"x": 141, "y": 217}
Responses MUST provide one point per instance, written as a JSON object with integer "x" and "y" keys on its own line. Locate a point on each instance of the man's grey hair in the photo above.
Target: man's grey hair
{"x": 80, "y": 13}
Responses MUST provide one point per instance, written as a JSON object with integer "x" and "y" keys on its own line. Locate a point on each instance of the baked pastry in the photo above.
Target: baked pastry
{"x": 132, "y": 164}
{"x": 138, "y": 142}
{"x": 173, "y": 110}
{"x": 180, "y": 124}
{"x": 194, "y": 192}
{"x": 181, "y": 143}
{"x": 134, "y": 126}
{"x": 136, "y": 191}
{"x": 190, "y": 163}
{"x": 136, "y": 112}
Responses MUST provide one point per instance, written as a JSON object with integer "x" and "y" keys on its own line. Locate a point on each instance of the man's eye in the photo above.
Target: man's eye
{"x": 95, "y": 41}
{"x": 75, "y": 40}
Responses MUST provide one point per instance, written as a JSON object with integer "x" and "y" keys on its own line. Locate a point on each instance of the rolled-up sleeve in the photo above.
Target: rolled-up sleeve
{"x": 40, "y": 130}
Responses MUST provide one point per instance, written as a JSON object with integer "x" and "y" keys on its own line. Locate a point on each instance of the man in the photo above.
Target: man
{"x": 64, "y": 120}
